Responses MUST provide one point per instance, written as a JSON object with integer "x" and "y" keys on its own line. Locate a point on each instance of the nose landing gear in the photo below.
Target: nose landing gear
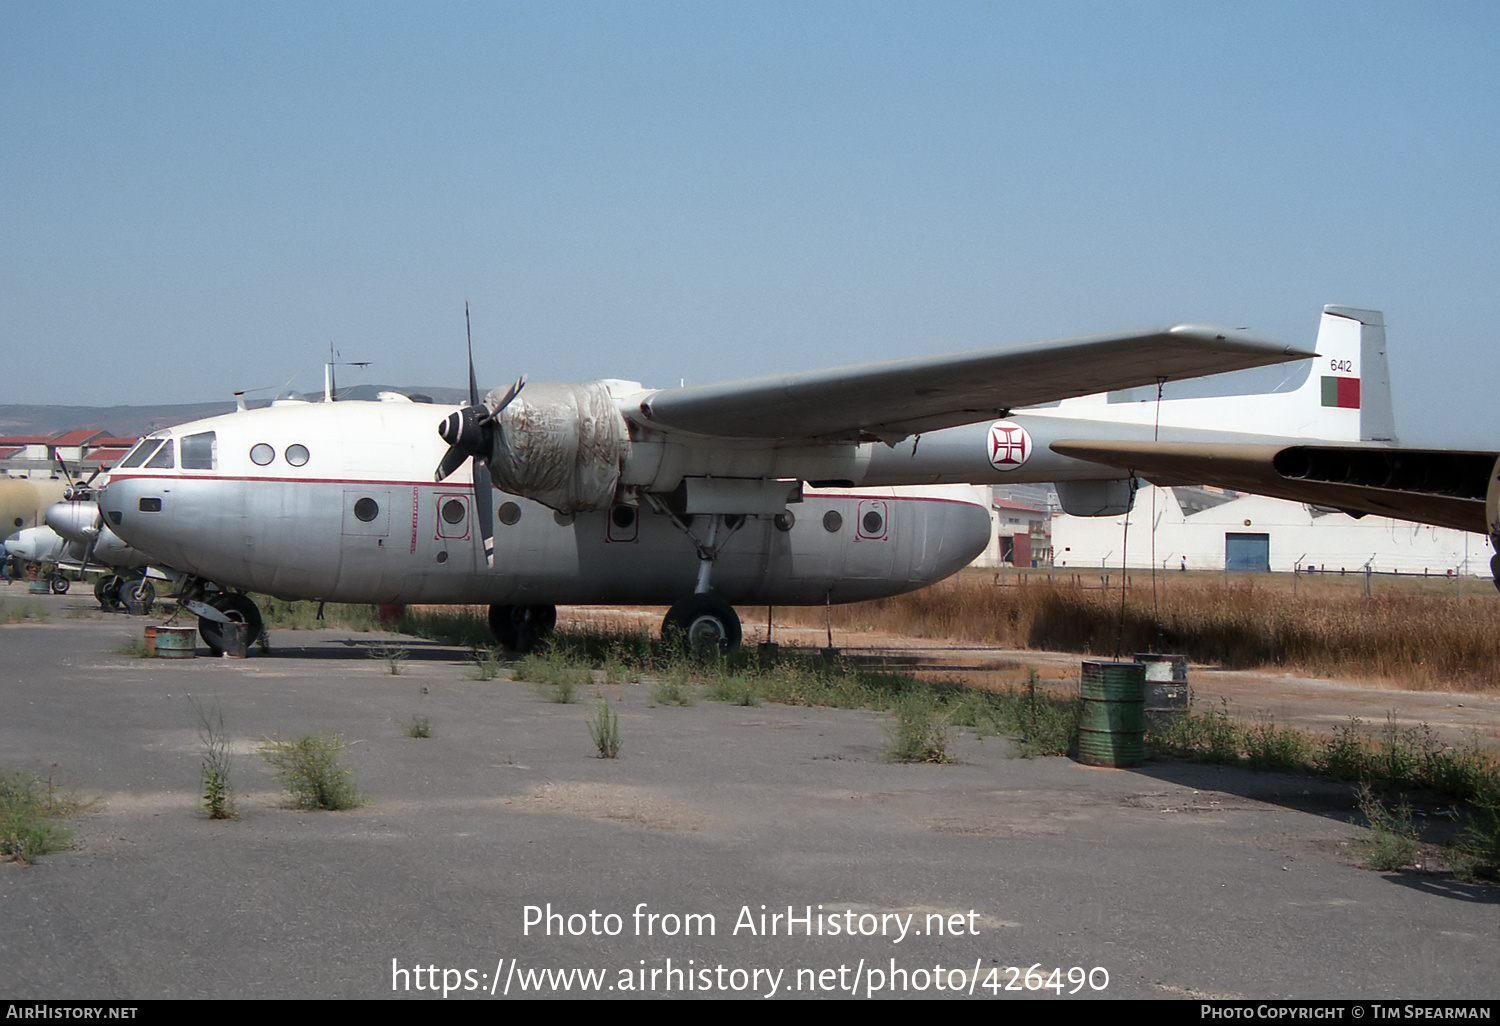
{"x": 235, "y": 608}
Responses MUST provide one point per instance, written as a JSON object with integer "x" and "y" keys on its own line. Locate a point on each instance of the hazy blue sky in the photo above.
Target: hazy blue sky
{"x": 201, "y": 196}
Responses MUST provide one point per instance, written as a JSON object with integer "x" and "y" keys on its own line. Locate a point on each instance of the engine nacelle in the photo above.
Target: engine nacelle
{"x": 561, "y": 445}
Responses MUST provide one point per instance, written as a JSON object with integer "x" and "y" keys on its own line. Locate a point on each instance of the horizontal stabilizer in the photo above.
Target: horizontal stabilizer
{"x": 1444, "y": 488}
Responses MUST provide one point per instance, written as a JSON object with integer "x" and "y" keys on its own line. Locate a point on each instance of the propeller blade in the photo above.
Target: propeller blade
{"x": 484, "y": 507}
{"x": 452, "y": 460}
{"x": 88, "y": 551}
{"x": 469, "y": 334}
{"x": 510, "y": 395}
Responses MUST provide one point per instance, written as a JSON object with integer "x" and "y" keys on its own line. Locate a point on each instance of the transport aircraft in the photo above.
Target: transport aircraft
{"x": 783, "y": 490}
{"x": 75, "y": 537}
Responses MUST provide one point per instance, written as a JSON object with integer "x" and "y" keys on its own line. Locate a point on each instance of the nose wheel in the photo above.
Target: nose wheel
{"x": 107, "y": 591}
{"x": 521, "y": 628}
{"x": 138, "y": 595}
{"x": 705, "y": 623}
{"x": 239, "y": 609}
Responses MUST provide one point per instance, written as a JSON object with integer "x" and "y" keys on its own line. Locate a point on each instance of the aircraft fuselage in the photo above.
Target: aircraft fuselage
{"x": 337, "y": 502}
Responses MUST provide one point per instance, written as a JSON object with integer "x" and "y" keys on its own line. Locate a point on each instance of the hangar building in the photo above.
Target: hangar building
{"x": 1202, "y": 529}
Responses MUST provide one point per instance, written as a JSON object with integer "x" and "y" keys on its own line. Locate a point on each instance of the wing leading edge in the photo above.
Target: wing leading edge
{"x": 896, "y": 398}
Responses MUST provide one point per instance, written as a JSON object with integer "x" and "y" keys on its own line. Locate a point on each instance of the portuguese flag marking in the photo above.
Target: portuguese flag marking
{"x": 1341, "y": 392}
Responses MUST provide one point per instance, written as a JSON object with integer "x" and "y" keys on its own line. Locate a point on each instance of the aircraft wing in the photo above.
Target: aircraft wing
{"x": 1442, "y": 487}
{"x": 897, "y": 398}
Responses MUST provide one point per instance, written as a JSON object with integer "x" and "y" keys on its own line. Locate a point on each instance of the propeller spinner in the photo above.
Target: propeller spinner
{"x": 470, "y": 434}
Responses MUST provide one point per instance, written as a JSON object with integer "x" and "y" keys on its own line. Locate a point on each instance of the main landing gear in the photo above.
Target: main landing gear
{"x": 703, "y": 621}
{"x": 520, "y": 628}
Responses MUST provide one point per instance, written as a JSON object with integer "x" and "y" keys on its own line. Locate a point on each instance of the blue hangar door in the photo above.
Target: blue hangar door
{"x": 1247, "y": 552}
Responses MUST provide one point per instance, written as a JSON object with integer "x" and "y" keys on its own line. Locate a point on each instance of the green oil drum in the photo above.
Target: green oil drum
{"x": 176, "y": 643}
{"x": 1112, "y": 722}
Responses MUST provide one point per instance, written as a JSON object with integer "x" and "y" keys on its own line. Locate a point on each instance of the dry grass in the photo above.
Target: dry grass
{"x": 1418, "y": 634}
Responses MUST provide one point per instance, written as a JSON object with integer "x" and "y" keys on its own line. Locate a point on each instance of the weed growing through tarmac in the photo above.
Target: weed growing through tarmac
{"x": 418, "y": 726}
{"x": 557, "y": 674}
{"x": 1479, "y": 841}
{"x": 1393, "y": 838}
{"x": 604, "y": 728}
{"x": 218, "y": 789}
{"x": 309, "y": 769}
{"x": 14, "y": 611}
{"x": 736, "y": 688}
{"x": 395, "y": 656}
{"x": 675, "y": 687}
{"x": 29, "y": 810}
{"x": 918, "y": 732}
{"x": 487, "y": 664}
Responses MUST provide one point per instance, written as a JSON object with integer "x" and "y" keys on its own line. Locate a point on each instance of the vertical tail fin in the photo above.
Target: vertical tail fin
{"x": 1371, "y": 374}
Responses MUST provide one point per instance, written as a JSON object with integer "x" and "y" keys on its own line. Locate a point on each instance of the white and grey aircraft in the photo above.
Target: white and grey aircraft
{"x": 784, "y": 490}
{"x": 75, "y": 538}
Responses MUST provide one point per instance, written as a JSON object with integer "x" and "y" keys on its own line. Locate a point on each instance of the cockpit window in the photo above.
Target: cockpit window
{"x": 144, "y": 448}
{"x": 163, "y": 458}
{"x": 198, "y": 451}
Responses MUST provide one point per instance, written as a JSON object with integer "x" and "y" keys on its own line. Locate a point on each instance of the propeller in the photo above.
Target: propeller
{"x": 88, "y": 550}
{"x": 470, "y": 434}
{"x": 75, "y": 491}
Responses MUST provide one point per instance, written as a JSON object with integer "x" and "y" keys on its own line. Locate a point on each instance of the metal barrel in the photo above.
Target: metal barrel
{"x": 1166, "y": 682}
{"x": 1112, "y": 720}
{"x": 176, "y": 643}
{"x": 151, "y": 641}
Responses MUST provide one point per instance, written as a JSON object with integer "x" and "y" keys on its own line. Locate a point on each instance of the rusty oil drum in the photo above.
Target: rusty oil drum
{"x": 1112, "y": 721}
{"x": 176, "y": 643}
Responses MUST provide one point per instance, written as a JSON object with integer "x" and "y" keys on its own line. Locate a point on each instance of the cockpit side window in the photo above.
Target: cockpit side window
{"x": 144, "y": 448}
{"x": 199, "y": 451}
{"x": 163, "y": 458}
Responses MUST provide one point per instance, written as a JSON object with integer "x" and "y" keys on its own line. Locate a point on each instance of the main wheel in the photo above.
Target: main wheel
{"x": 705, "y": 623}
{"x": 520, "y": 628}
{"x": 239, "y": 609}
{"x": 60, "y": 584}
{"x": 138, "y": 595}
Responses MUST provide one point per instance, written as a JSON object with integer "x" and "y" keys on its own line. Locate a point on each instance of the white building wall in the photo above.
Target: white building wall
{"x": 1332, "y": 541}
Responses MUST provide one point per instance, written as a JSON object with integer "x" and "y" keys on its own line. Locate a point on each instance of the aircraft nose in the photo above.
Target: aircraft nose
{"x": 73, "y": 520}
{"x": 132, "y": 508}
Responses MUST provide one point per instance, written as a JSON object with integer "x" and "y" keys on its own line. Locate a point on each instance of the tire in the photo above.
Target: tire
{"x": 60, "y": 585}
{"x": 138, "y": 595}
{"x": 239, "y": 609}
{"x": 706, "y": 624}
{"x": 521, "y": 628}
{"x": 107, "y": 591}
